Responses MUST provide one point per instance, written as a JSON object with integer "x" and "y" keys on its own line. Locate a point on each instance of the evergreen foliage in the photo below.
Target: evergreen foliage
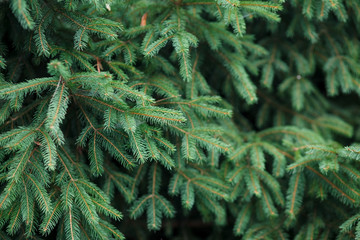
{"x": 152, "y": 119}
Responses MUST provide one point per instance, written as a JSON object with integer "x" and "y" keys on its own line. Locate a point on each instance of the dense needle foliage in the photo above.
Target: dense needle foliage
{"x": 179, "y": 119}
